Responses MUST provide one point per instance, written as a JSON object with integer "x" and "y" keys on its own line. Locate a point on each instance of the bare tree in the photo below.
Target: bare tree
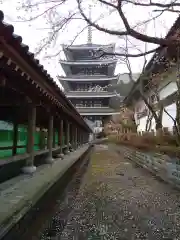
{"x": 120, "y": 7}
{"x": 123, "y": 122}
{"x": 59, "y": 15}
{"x": 150, "y": 97}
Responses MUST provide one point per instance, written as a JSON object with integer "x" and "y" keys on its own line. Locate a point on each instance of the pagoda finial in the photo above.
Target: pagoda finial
{"x": 89, "y": 40}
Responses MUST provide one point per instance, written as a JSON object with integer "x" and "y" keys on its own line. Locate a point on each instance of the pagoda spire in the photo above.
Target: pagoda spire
{"x": 89, "y": 39}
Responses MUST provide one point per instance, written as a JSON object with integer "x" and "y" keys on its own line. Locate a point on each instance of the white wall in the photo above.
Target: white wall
{"x": 142, "y": 124}
{"x": 167, "y": 87}
{"x": 167, "y": 121}
{"x": 167, "y": 90}
{"x": 139, "y": 107}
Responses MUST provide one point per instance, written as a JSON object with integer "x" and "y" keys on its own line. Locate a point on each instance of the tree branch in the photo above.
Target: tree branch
{"x": 155, "y": 4}
{"x": 129, "y": 31}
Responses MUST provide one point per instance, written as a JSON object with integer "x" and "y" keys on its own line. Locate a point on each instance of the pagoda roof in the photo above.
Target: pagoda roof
{"x": 88, "y": 46}
{"x": 99, "y": 113}
{"x": 90, "y": 94}
{"x": 90, "y": 62}
{"x": 88, "y": 78}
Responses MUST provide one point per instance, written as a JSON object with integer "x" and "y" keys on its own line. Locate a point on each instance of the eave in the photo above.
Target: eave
{"x": 87, "y": 79}
{"x": 94, "y": 110}
{"x": 86, "y": 46}
{"x": 90, "y": 62}
{"x": 23, "y": 62}
{"x": 85, "y": 95}
{"x": 99, "y": 114}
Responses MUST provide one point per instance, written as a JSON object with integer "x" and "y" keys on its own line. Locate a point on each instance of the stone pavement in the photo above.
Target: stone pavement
{"x": 118, "y": 200}
{"x": 19, "y": 194}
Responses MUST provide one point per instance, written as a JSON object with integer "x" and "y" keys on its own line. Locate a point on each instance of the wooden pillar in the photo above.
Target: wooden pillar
{"x": 42, "y": 139}
{"x": 15, "y": 138}
{"x": 86, "y": 135}
{"x": 67, "y": 138}
{"x": 72, "y": 137}
{"x": 76, "y": 138}
{"x": 60, "y": 139}
{"x": 30, "y": 168}
{"x": 83, "y": 140}
{"x": 54, "y": 138}
{"x": 80, "y": 137}
{"x": 61, "y": 135}
{"x": 83, "y": 137}
{"x": 49, "y": 158}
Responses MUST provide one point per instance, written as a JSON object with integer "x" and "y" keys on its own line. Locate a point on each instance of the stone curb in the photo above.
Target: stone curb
{"x": 19, "y": 198}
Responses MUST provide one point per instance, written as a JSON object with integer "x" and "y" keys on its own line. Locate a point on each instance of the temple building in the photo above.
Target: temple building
{"x": 88, "y": 80}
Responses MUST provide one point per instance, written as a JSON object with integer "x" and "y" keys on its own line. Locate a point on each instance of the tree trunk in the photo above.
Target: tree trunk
{"x": 158, "y": 125}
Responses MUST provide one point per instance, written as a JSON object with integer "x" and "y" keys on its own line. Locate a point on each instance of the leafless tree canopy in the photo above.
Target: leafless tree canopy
{"x": 120, "y": 18}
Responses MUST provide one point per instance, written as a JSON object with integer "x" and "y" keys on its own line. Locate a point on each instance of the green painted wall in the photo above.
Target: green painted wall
{"x": 6, "y": 139}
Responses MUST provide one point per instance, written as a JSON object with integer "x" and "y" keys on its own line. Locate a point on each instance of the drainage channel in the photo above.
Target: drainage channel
{"x": 47, "y": 219}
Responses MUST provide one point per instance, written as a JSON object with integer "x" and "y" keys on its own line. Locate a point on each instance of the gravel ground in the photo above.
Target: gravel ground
{"x": 118, "y": 200}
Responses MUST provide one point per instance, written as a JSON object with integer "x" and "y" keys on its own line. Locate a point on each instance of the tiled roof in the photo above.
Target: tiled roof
{"x": 7, "y": 32}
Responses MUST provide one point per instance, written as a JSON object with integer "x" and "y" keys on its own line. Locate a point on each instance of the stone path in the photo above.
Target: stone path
{"x": 118, "y": 200}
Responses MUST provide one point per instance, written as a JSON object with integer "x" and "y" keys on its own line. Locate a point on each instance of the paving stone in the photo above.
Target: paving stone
{"x": 131, "y": 205}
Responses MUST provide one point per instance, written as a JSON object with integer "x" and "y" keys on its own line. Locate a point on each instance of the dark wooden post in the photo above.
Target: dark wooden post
{"x": 62, "y": 136}
{"x": 67, "y": 138}
{"x": 15, "y": 138}
{"x": 54, "y": 138}
{"x": 30, "y": 168}
{"x": 84, "y": 137}
{"x": 60, "y": 139}
{"x": 80, "y": 138}
{"x": 76, "y": 138}
{"x": 42, "y": 142}
{"x": 49, "y": 158}
{"x": 72, "y": 138}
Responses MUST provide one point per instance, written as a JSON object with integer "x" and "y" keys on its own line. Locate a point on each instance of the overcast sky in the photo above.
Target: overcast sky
{"x": 34, "y": 32}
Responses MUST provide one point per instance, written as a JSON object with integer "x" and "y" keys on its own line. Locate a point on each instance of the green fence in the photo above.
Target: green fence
{"x": 6, "y": 139}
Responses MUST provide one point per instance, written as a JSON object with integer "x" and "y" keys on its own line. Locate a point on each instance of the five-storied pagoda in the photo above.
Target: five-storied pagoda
{"x": 87, "y": 80}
